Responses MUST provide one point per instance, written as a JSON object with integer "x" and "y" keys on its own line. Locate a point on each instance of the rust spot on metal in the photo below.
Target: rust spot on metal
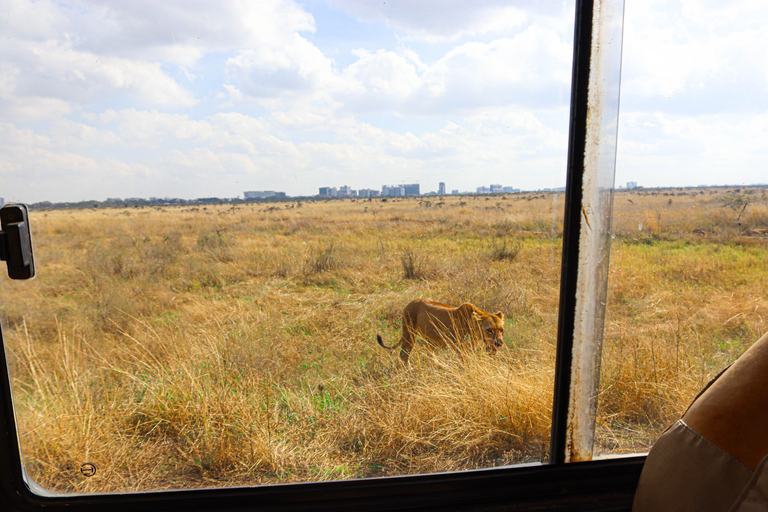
{"x": 586, "y": 217}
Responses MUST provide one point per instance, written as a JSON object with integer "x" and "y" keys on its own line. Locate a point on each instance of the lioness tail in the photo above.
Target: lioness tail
{"x": 381, "y": 342}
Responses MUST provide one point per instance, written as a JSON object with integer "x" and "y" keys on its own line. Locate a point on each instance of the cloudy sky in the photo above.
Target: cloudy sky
{"x": 107, "y": 98}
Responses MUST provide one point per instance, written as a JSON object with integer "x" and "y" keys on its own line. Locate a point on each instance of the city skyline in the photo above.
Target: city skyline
{"x": 412, "y": 190}
{"x": 283, "y": 197}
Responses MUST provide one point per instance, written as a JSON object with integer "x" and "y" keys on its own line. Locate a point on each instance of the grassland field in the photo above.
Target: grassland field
{"x": 178, "y": 347}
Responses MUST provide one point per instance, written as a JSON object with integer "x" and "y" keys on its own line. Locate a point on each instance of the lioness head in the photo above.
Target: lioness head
{"x": 492, "y": 328}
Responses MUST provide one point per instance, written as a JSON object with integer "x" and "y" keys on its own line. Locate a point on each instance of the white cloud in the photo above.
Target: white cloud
{"x": 527, "y": 69}
{"x": 441, "y": 20}
{"x": 31, "y": 108}
{"x": 51, "y": 78}
{"x": 59, "y": 57}
{"x": 225, "y": 153}
{"x": 67, "y": 134}
{"x": 29, "y": 158}
{"x": 204, "y": 165}
{"x": 694, "y": 93}
{"x": 679, "y": 150}
{"x": 134, "y": 86}
{"x": 176, "y": 31}
{"x": 281, "y": 70}
{"x": 84, "y": 77}
{"x": 153, "y": 128}
{"x": 702, "y": 56}
{"x": 531, "y": 69}
{"x": 377, "y": 81}
{"x": 724, "y": 17}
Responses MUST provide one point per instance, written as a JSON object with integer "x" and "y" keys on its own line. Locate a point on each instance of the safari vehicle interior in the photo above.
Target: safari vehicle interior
{"x": 571, "y": 475}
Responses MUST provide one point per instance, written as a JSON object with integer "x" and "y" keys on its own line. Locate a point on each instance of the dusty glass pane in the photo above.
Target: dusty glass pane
{"x": 226, "y": 333}
{"x": 687, "y": 288}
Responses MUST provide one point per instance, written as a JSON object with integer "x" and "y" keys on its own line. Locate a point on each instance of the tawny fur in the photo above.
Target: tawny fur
{"x": 440, "y": 325}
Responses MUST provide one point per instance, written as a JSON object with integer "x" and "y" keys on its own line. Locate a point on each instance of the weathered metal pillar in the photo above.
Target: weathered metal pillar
{"x": 587, "y": 227}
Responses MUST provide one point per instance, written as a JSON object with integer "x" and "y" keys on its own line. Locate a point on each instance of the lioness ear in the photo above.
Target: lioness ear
{"x": 500, "y": 315}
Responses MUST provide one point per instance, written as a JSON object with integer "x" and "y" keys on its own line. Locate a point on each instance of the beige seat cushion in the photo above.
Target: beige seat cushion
{"x": 754, "y": 497}
{"x": 685, "y": 472}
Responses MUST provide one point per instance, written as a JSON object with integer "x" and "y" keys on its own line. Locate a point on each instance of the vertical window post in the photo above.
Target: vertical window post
{"x": 587, "y": 226}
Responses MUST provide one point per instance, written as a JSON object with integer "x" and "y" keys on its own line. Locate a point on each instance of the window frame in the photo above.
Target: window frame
{"x": 557, "y": 485}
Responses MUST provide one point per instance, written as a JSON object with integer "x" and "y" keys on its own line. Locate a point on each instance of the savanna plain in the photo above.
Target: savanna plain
{"x": 234, "y": 344}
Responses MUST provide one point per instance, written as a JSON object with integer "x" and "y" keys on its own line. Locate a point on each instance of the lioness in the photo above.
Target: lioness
{"x": 442, "y": 325}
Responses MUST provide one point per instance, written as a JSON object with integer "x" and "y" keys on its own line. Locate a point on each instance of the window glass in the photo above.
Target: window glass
{"x": 687, "y": 289}
{"x": 229, "y": 204}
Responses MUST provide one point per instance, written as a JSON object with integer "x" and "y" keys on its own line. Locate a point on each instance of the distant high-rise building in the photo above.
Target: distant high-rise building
{"x": 346, "y": 191}
{"x": 441, "y": 189}
{"x": 631, "y": 184}
{"x": 496, "y": 189}
{"x": 483, "y": 190}
{"x": 328, "y": 191}
{"x": 2, "y": 202}
{"x": 412, "y": 190}
{"x": 400, "y": 190}
{"x": 263, "y": 194}
{"x": 455, "y": 192}
{"x": 367, "y": 192}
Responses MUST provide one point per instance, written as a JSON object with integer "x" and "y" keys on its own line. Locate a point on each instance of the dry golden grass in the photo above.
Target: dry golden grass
{"x": 687, "y": 295}
{"x": 207, "y": 346}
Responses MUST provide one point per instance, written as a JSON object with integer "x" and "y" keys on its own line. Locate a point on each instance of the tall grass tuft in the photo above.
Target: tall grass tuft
{"x": 412, "y": 263}
{"x": 321, "y": 259}
{"x": 503, "y": 250}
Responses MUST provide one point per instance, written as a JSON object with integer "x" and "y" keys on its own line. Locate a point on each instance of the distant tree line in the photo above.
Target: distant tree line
{"x": 138, "y": 202}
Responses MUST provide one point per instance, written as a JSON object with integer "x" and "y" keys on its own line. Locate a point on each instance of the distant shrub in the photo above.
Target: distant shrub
{"x": 757, "y": 217}
{"x": 413, "y": 265}
{"x": 216, "y": 245}
{"x": 736, "y": 201}
{"x": 212, "y": 240}
{"x": 320, "y": 259}
{"x": 501, "y": 251}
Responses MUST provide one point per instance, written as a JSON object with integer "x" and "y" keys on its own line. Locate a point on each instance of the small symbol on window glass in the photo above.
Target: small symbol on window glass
{"x": 88, "y": 469}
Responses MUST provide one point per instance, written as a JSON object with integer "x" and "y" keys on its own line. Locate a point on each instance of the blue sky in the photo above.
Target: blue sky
{"x": 104, "y": 98}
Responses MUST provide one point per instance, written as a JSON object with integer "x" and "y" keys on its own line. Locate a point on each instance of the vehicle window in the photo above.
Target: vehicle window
{"x": 687, "y": 292}
{"x": 229, "y": 204}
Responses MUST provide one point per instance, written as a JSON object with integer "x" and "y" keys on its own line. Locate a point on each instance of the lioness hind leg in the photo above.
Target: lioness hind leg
{"x": 405, "y": 350}
{"x": 408, "y": 338}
